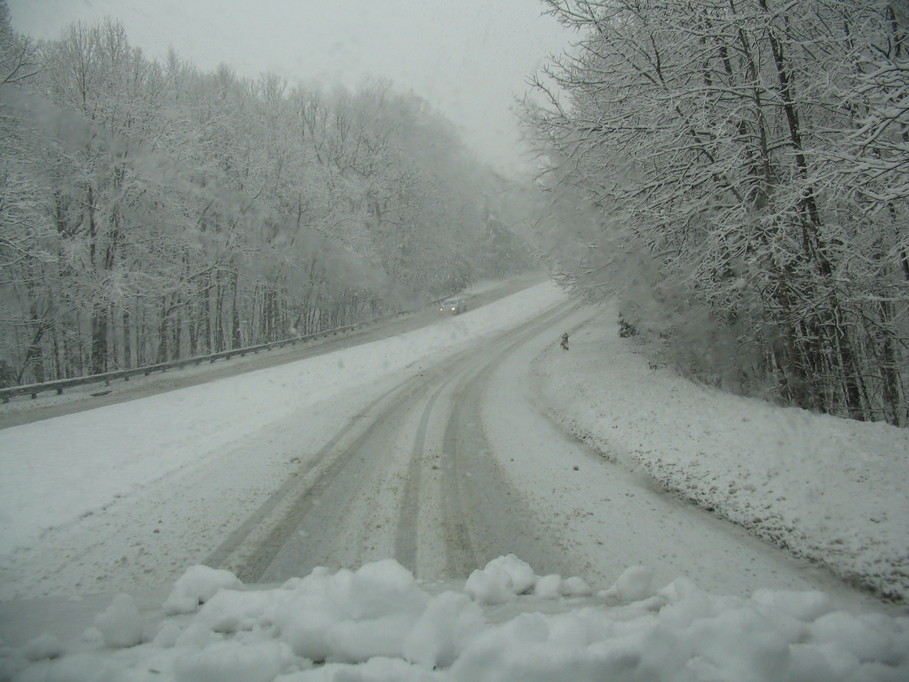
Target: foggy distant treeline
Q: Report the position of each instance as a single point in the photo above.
(154, 211)
(743, 168)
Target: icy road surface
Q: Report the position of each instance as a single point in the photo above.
(430, 447)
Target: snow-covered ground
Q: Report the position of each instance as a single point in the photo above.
(821, 486)
(833, 491)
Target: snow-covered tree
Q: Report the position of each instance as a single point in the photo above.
(709, 138)
(153, 211)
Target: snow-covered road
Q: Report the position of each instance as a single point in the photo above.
(129, 494)
(607, 514)
(431, 447)
(410, 476)
(440, 448)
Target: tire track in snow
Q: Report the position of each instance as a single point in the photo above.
(314, 501)
(250, 549)
(460, 550)
(406, 538)
(484, 515)
(300, 526)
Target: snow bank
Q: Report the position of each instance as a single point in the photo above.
(378, 623)
(826, 489)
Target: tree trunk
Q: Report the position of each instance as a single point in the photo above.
(99, 340)
(236, 338)
(217, 336)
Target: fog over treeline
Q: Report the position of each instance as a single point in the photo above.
(152, 211)
(738, 172)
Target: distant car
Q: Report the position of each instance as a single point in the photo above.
(453, 306)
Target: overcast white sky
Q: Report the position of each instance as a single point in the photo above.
(469, 58)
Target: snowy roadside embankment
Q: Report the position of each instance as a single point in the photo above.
(378, 624)
(827, 489)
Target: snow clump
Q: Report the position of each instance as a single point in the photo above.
(507, 577)
(379, 623)
(502, 580)
(196, 586)
(120, 624)
(43, 646)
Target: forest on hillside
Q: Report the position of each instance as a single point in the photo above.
(153, 211)
(737, 172)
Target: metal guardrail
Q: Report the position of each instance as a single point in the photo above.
(60, 384)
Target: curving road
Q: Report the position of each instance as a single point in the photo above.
(24, 410)
(459, 464)
(399, 467)
(442, 464)
(411, 477)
